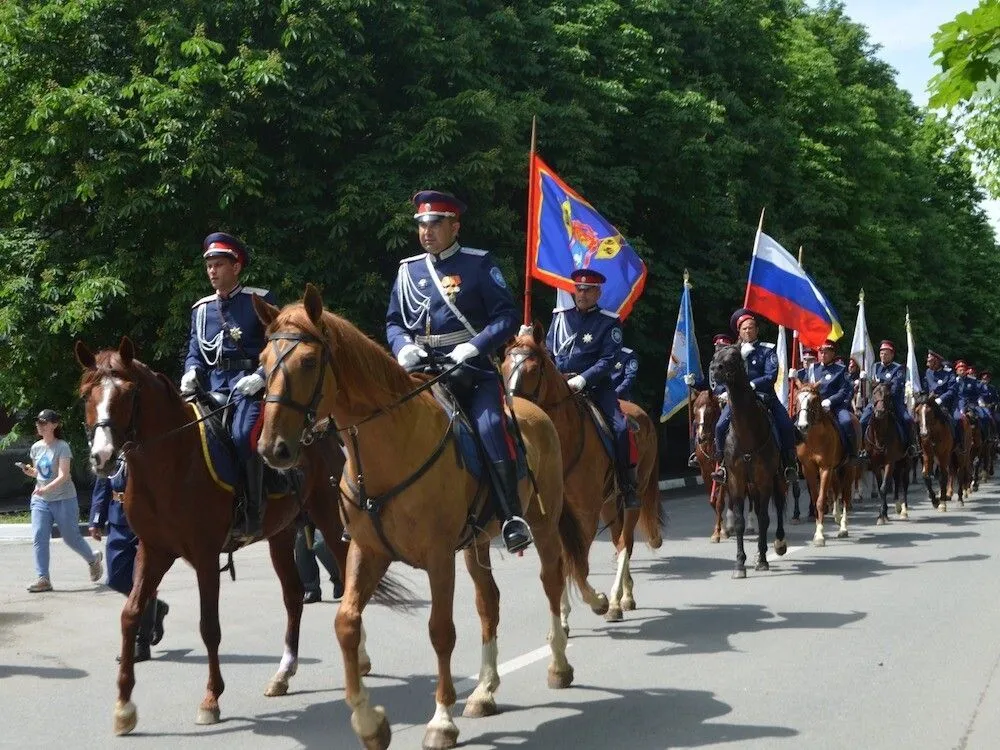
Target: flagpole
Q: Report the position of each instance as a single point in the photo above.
(864, 383)
(796, 361)
(530, 240)
(753, 257)
(687, 333)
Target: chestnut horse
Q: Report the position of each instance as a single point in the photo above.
(936, 443)
(887, 454)
(829, 476)
(751, 458)
(966, 454)
(407, 496)
(589, 477)
(178, 510)
(707, 409)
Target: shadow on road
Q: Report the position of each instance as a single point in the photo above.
(45, 673)
(912, 538)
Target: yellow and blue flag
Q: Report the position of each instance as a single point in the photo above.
(684, 359)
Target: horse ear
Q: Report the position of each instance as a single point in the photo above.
(84, 356)
(266, 312)
(313, 303)
(126, 350)
(538, 332)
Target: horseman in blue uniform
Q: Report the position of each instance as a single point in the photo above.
(719, 341)
(624, 372)
(970, 394)
(585, 340)
(893, 375)
(224, 347)
(990, 396)
(941, 385)
(761, 362)
(106, 509)
(453, 302)
(835, 390)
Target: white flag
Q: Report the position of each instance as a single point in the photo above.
(781, 383)
(862, 350)
(913, 385)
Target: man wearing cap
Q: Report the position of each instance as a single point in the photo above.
(835, 390)
(224, 347)
(970, 394)
(990, 396)
(719, 341)
(943, 388)
(761, 361)
(893, 375)
(623, 375)
(585, 340)
(453, 302)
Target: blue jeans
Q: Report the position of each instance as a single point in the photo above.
(305, 560)
(66, 515)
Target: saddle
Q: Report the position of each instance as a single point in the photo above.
(604, 430)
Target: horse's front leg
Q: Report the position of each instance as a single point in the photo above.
(902, 483)
(883, 494)
(739, 526)
(760, 503)
(845, 502)
(483, 702)
(362, 574)
(211, 634)
(779, 494)
(441, 731)
(282, 548)
(824, 482)
(150, 567)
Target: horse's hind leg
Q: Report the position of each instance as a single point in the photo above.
(441, 731)
(211, 634)
(150, 567)
(553, 576)
(282, 548)
(902, 483)
(482, 702)
(625, 544)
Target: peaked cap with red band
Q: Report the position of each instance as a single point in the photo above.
(432, 205)
(587, 277)
(220, 244)
(959, 363)
(886, 344)
(829, 345)
(722, 339)
(738, 317)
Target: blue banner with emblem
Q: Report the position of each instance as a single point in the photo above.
(684, 359)
(566, 233)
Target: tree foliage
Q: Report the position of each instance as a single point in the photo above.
(132, 129)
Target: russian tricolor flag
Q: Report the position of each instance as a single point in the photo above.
(781, 291)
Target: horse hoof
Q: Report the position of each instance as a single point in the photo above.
(480, 708)
(614, 614)
(842, 534)
(440, 738)
(725, 534)
(904, 515)
(819, 541)
(763, 565)
(899, 508)
(942, 508)
(880, 521)
(126, 717)
(364, 668)
(739, 573)
(207, 715)
(275, 688)
(628, 604)
(796, 520)
(600, 608)
(381, 739)
(780, 547)
(558, 680)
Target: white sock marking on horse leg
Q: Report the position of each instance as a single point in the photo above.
(289, 663)
(489, 675)
(557, 642)
(365, 720)
(616, 588)
(565, 608)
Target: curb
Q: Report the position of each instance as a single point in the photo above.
(673, 484)
(21, 532)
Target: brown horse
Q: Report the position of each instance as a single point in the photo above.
(178, 510)
(751, 459)
(886, 453)
(706, 409)
(829, 476)
(407, 497)
(966, 454)
(589, 477)
(936, 443)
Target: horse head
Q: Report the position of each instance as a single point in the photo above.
(527, 368)
(110, 389)
(727, 367)
(706, 410)
(928, 412)
(882, 402)
(808, 406)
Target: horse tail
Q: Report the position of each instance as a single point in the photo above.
(395, 594)
(650, 510)
(574, 544)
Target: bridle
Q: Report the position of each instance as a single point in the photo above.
(527, 354)
(130, 439)
(308, 410)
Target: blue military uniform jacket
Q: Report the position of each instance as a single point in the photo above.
(586, 343)
(941, 384)
(455, 297)
(623, 375)
(893, 375)
(990, 395)
(226, 336)
(104, 509)
(969, 391)
(834, 384)
(762, 368)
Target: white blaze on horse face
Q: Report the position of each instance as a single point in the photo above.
(701, 423)
(923, 422)
(103, 446)
(804, 409)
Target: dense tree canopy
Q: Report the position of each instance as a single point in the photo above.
(130, 129)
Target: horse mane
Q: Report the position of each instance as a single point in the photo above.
(109, 364)
(811, 387)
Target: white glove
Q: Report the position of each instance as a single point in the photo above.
(250, 384)
(189, 382)
(689, 379)
(938, 401)
(525, 330)
(724, 396)
(753, 385)
(982, 403)
(463, 352)
(862, 374)
(793, 374)
(825, 403)
(576, 383)
(410, 355)
(746, 349)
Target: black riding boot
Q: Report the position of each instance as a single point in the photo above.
(515, 531)
(791, 464)
(719, 475)
(161, 612)
(254, 496)
(147, 626)
(630, 483)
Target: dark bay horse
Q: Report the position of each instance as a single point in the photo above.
(707, 409)
(829, 476)
(589, 477)
(936, 444)
(179, 511)
(966, 454)
(887, 453)
(751, 458)
(407, 496)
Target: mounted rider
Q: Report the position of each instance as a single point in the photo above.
(970, 394)
(892, 374)
(990, 396)
(942, 386)
(719, 341)
(835, 390)
(585, 340)
(761, 362)
(453, 302)
(225, 344)
(624, 372)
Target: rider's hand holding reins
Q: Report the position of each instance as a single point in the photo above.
(189, 382)
(250, 384)
(576, 383)
(463, 352)
(793, 374)
(410, 356)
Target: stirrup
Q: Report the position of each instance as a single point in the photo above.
(345, 537)
(862, 455)
(516, 534)
(791, 474)
(693, 460)
(720, 474)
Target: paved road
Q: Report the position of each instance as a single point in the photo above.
(885, 640)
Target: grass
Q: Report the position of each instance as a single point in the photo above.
(16, 517)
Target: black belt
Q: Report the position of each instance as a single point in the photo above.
(228, 365)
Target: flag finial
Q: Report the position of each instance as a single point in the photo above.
(687, 278)
(861, 295)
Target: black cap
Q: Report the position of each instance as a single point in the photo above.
(48, 415)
